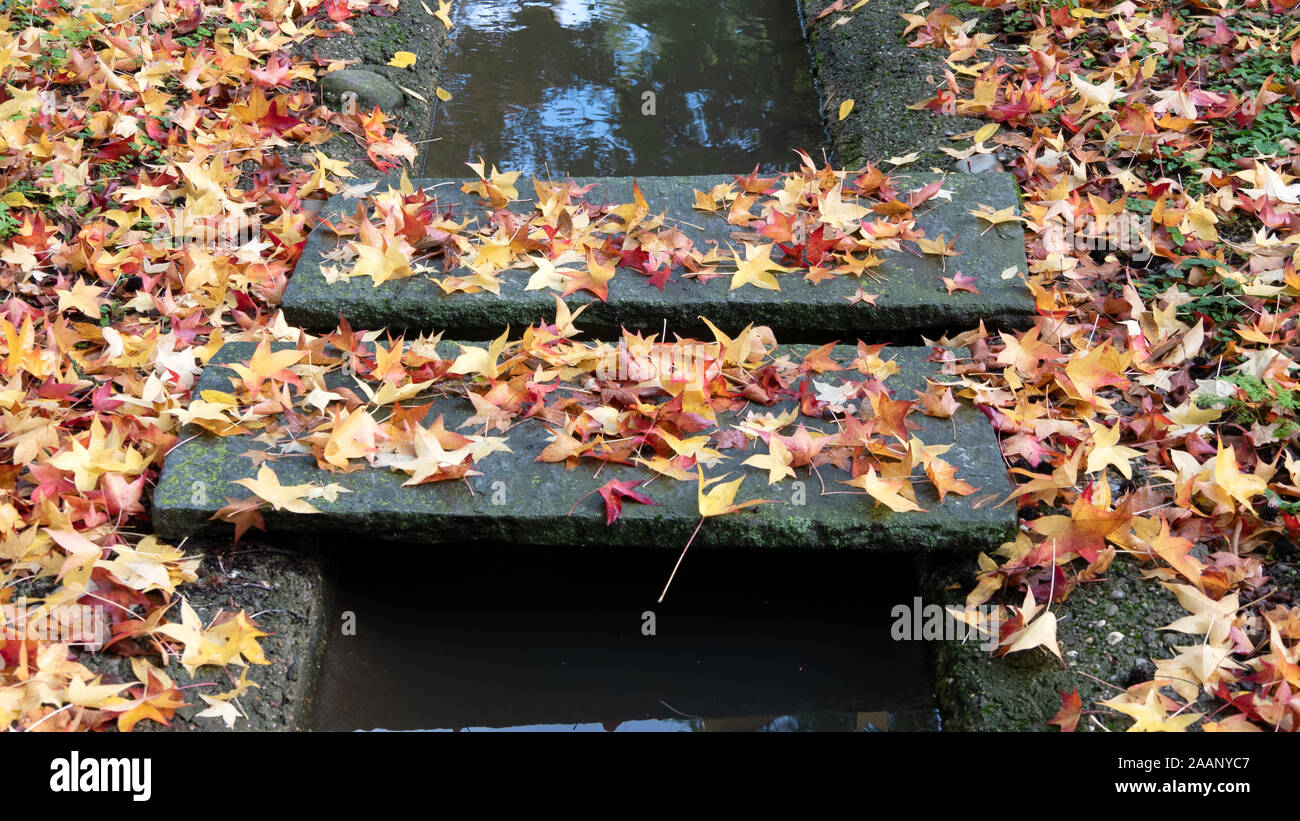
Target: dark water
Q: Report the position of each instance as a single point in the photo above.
(559, 84)
(550, 639)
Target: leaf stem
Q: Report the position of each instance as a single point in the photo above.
(679, 560)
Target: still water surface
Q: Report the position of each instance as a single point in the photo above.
(560, 85)
(551, 638)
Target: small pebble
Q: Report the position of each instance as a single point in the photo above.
(1114, 637)
(1117, 593)
(1101, 622)
(1173, 638)
(1112, 609)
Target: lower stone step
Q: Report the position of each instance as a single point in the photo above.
(901, 298)
(518, 499)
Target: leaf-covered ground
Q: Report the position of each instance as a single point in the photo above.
(136, 136)
(1150, 413)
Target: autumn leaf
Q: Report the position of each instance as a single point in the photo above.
(614, 492)
(1106, 451)
(888, 492)
(756, 269)
(444, 13)
(960, 282)
(267, 487)
(1150, 715)
(1228, 477)
(721, 500)
(1068, 717)
(776, 461)
(266, 365)
(1039, 629)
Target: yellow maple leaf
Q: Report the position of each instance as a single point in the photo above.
(987, 214)
(353, 437)
(478, 360)
(1149, 715)
(266, 364)
(1240, 486)
(834, 211)
(756, 269)
(1039, 630)
(695, 448)
(267, 487)
(776, 461)
(102, 453)
(82, 296)
(380, 265)
(1106, 450)
(443, 13)
(236, 641)
(886, 491)
(721, 499)
(403, 59)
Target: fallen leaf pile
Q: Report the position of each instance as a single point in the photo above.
(817, 222)
(1152, 409)
(354, 402)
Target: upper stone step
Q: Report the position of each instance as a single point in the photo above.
(910, 296)
(522, 500)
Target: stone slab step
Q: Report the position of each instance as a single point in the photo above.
(520, 500)
(913, 299)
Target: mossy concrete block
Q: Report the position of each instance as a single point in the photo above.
(374, 41)
(1021, 691)
(913, 299)
(286, 593)
(520, 500)
(867, 59)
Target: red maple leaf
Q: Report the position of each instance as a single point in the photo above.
(1068, 718)
(614, 492)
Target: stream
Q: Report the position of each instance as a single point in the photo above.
(559, 87)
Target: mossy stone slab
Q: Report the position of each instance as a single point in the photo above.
(523, 501)
(913, 298)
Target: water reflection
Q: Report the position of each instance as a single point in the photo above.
(904, 721)
(528, 638)
(560, 85)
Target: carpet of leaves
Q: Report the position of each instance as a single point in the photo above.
(1151, 411)
(133, 133)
